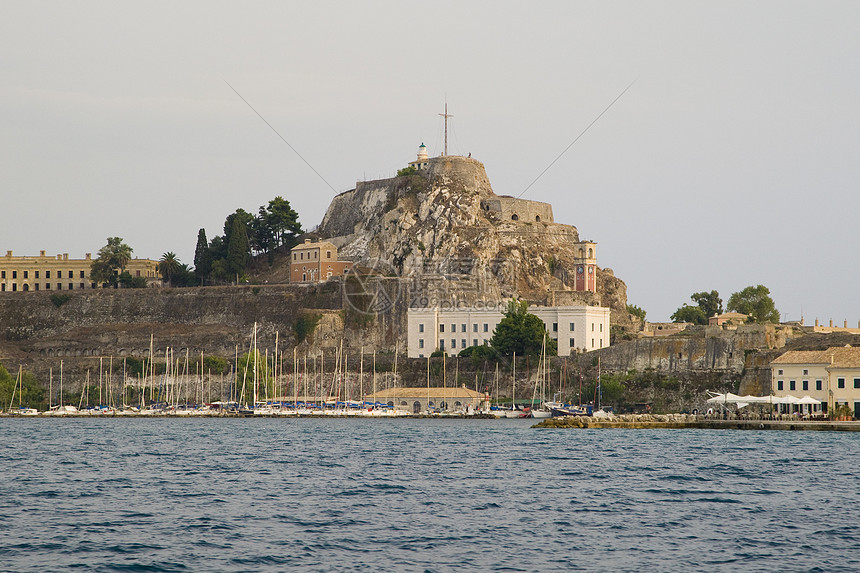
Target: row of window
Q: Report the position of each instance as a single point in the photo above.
(26, 287)
(805, 372)
(475, 342)
(486, 327)
(792, 384)
(300, 256)
(26, 274)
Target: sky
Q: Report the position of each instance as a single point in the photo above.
(732, 160)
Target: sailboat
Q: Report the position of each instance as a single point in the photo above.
(542, 411)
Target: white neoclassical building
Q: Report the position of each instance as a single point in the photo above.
(451, 330)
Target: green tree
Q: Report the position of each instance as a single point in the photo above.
(262, 238)
(169, 266)
(636, 311)
(710, 302)
(202, 257)
(756, 302)
(283, 222)
(125, 280)
(28, 392)
(238, 247)
(692, 314)
(521, 332)
(110, 262)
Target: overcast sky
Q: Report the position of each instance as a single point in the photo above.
(733, 160)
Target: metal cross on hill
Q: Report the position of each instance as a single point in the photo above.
(446, 115)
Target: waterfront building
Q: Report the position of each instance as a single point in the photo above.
(315, 262)
(418, 400)
(52, 273)
(832, 376)
(575, 328)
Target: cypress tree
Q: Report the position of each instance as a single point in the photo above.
(202, 257)
(239, 248)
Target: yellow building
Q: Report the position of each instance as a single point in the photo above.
(831, 376)
(23, 274)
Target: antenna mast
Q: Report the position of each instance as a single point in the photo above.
(446, 115)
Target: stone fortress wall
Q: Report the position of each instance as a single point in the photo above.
(513, 209)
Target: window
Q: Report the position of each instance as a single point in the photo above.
(421, 327)
(572, 343)
(485, 327)
(475, 327)
(37, 274)
(453, 328)
(71, 286)
(328, 254)
(792, 385)
(26, 274)
(555, 327)
(14, 287)
(82, 286)
(294, 256)
(72, 274)
(779, 385)
(840, 382)
(47, 286)
(805, 372)
(601, 327)
(92, 285)
(420, 343)
(136, 273)
(302, 256)
(315, 255)
(463, 343)
(37, 286)
(805, 384)
(3, 287)
(572, 328)
(59, 286)
(601, 343)
(453, 343)
(2, 274)
(474, 342)
(779, 372)
(818, 384)
(857, 382)
(463, 328)
(592, 327)
(441, 344)
(14, 274)
(592, 343)
(441, 328)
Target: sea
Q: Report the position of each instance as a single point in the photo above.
(424, 495)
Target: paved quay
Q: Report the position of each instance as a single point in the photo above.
(685, 421)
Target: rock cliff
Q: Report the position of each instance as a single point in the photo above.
(446, 232)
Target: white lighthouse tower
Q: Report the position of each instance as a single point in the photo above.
(422, 161)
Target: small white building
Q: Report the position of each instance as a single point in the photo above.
(451, 330)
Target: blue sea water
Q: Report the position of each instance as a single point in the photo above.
(421, 495)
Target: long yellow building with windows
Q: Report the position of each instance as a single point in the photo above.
(53, 273)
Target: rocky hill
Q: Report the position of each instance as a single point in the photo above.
(446, 232)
